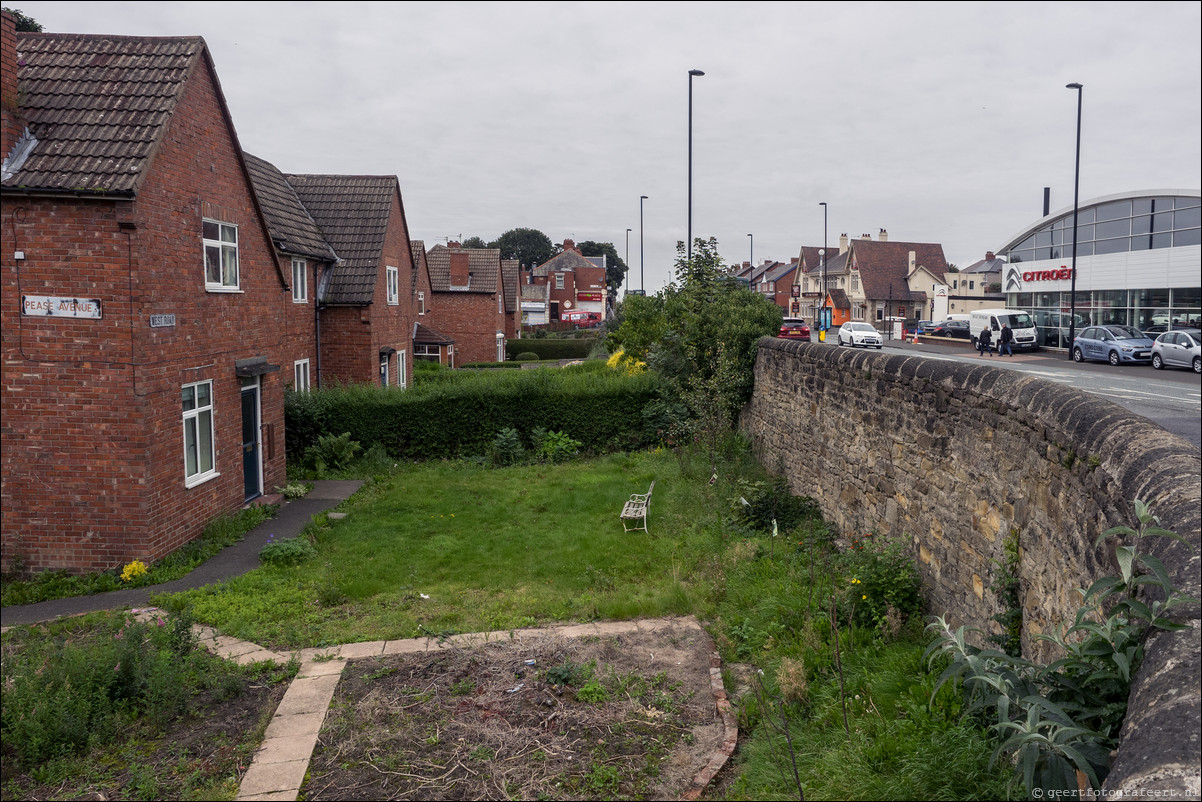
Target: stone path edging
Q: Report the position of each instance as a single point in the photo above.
(277, 770)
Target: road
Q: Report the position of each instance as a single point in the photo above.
(1170, 398)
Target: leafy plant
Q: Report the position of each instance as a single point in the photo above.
(332, 452)
(288, 551)
(1064, 718)
(555, 446)
(878, 575)
(507, 448)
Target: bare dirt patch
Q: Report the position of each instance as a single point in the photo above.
(629, 715)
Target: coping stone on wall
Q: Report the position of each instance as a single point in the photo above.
(1120, 453)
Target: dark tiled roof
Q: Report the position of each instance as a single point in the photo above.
(564, 262)
(510, 270)
(292, 228)
(352, 212)
(424, 335)
(986, 266)
(810, 258)
(98, 105)
(781, 270)
(484, 265)
(839, 299)
(417, 250)
(884, 266)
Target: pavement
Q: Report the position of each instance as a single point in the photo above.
(230, 562)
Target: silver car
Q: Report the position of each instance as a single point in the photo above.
(855, 334)
(1114, 344)
(1179, 348)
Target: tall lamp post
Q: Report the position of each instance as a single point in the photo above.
(822, 261)
(642, 278)
(752, 256)
(628, 247)
(692, 74)
(1072, 303)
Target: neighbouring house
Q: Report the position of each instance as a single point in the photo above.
(469, 303)
(805, 292)
(144, 310)
(511, 270)
(881, 279)
(978, 286)
(368, 300)
(575, 283)
(534, 301)
(429, 345)
(776, 284)
(302, 247)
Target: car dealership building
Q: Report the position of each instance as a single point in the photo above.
(1139, 263)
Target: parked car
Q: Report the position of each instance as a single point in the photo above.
(1113, 344)
(951, 328)
(794, 328)
(856, 334)
(925, 326)
(1180, 348)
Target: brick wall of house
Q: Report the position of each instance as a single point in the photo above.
(92, 420)
(346, 356)
(471, 319)
(301, 338)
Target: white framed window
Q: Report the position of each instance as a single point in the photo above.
(421, 303)
(427, 353)
(300, 281)
(383, 370)
(200, 463)
(402, 376)
(393, 277)
(300, 375)
(559, 281)
(221, 255)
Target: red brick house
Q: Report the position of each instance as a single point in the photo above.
(142, 303)
(368, 300)
(574, 283)
(469, 301)
(429, 345)
(303, 249)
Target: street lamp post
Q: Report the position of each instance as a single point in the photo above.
(628, 247)
(1072, 303)
(822, 261)
(752, 256)
(642, 278)
(692, 74)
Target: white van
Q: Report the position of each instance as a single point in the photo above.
(963, 318)
(1020, 322)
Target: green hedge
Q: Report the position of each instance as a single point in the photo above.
(550, 349)
(601, 408)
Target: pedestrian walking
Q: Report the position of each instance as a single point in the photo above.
(1006, 342)
(985, 341)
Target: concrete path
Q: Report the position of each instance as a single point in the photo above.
(235, 560)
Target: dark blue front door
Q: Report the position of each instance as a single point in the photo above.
(250, 442)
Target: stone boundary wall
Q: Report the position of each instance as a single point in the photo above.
(954, 458)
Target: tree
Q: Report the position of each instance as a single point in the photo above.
(528, 245)
(615, 268)
(25, 24)
(951, 268)
(701, 328)
(475, 243)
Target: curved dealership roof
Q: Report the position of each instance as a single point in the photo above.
(1170, 218)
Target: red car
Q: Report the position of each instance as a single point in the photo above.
(794, 329)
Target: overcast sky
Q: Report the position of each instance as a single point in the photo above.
(940, 122)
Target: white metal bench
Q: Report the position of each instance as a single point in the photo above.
(636, 509)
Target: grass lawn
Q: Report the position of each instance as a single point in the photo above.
(453, 547)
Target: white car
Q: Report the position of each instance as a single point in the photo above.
(1178, 348)
(856, 334)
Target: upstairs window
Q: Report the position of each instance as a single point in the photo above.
(421, 303)
(221, 255)
(393, 276)
(300, 281)
(559, 281)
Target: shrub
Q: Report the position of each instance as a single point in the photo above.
(507, 448)
(332, 452)
(526, 356)
(879, 577)
(288, 551)
(555, 446)
(547, 348)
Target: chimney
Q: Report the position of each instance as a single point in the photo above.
(883, 236)
(12, 125)
(866, 237)
(569, 245)
(913, 262)
(843, 243)
(460, 274)
(989, 257)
